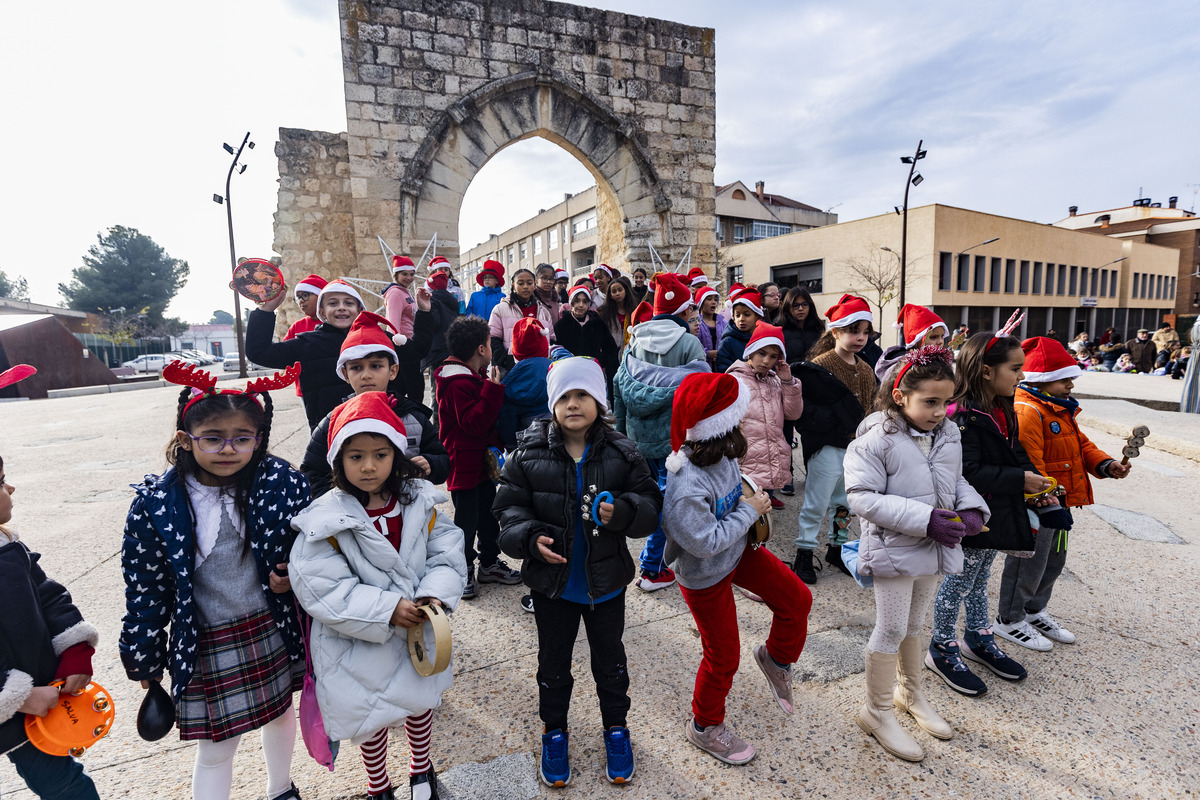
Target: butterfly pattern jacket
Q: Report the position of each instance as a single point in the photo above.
(158, 557)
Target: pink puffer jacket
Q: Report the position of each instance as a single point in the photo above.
(506, 315)
(769, 460)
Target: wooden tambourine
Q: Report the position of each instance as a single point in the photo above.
(75, 724)
(760, 531)
(1133, 444)
(439, 623)
(258, 280)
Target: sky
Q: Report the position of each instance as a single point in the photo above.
(115, 114)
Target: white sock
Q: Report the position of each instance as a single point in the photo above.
(212, 777)
(278, 742)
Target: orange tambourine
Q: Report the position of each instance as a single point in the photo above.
(258, 280)
(75, 724)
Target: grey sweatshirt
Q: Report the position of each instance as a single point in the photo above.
(705, 520)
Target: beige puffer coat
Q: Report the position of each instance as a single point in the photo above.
(768, 461)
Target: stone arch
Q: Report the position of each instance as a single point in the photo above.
(632, 204)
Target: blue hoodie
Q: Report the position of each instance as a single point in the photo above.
(484, 300)
(525, 399)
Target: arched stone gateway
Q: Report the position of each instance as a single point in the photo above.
(436, 88)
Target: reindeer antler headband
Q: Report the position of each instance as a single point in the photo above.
(923, 357)
(204, 384)
(1007, 330)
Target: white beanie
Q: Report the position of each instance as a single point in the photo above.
(577, 372)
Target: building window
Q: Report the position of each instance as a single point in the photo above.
(1024, 277)
(739, 233)
(524, 252)
(1158, 287)
(1172, 297)
(964, 272)
(1112, 283)
(738, 194)
(1062, 279)
(580, 225)
(805, 274)
(510, 256)
(552, 239)
(1104, 283)
(1095, 282)
(1074, 281)
(1049, 278)
(995, 284)
(537, 245)
(734, 274)
(944, 262)
(1037, 277)
(766, 230)
(980, 273)
(1010, 275)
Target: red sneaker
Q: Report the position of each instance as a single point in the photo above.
(776, 502)
(652, 583)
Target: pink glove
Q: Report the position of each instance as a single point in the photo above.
(972, 520)
(944, 529)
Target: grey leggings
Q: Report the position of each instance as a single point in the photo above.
(900, 607)
(968, 588)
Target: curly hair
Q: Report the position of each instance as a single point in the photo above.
(465, 335)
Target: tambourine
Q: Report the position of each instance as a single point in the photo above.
(75, 724)
(760, 531)
(257, 280)
(418, 648)
(1133, 444)
(1044, 493)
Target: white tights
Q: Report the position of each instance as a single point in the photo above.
(900, 608)
(212, 778)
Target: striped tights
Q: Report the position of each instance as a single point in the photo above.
(374, 751)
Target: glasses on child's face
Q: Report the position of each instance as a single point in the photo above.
(215, 444)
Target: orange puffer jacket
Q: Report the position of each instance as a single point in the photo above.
(1057, 447)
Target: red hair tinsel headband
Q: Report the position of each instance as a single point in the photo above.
(204, 383)
(922, 356)
(1008, 328)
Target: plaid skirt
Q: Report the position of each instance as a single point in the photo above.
(243, 679)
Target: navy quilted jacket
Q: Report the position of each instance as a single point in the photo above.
(157, 559)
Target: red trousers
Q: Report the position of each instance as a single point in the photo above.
(716, 618)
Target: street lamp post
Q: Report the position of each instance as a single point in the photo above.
(237, 300)
(914, 179)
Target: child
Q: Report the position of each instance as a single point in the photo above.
(920, 327)
(839, 387)
(577, 566)
(707, 523)
(697, 277)
(602, 275)
(1179, 365)
(915, 508)
(468, 407)
(1124, 364)
(987, 371)
(617, 311)
(802, 329)
(205, 553)
(520, 303)
(562, 279)
(583, 333)
(306, 293)
(370, 552)
(525, 383)
(490, 294)
(444, 310)
(401, 309)
(746, 313)
(43, 638)
(660, 355)
(544, 291)
(712, 324)
(368, 363)
(775, 395)
(1058, 449)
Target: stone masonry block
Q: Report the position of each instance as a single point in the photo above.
(453, 45)
(389, 56)
(358, 92)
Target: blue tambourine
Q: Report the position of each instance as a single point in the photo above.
(603, 497)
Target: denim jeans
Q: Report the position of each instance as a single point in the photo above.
(824, 490)
(656, 543)
(52, 777)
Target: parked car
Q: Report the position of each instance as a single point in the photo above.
(231, 363)
(150, 362)
(203, 358)
(177, 355)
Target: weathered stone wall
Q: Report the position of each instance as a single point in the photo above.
(434, 89)
(314, 224)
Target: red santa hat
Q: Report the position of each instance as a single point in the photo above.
(364, 338)
(847, 311)
(437, 281)
(605, 268)
(707, 405)
(580, 287)
(561, 274)
(735, 287)
(643, 313)
(337, 286)
(568, 374)
(671, 296)
(440, 262)
(18, 373)
(369, 412)
(313, 284)
(697, 277)
(917, 322)
(491, 267)
(702, 293)
(748, 297)
(403, 264)
(1046, 360)
(530, 339)
(765, 336)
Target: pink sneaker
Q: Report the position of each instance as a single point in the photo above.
(720, 743)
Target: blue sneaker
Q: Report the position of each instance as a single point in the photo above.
(946, 661)
(620, 754)
(981, 648)
(555, 770)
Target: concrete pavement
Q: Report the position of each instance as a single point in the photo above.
(1112, 716)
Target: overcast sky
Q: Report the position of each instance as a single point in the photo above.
(114, 113)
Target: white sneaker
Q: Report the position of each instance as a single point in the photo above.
(1023, 634)
(1048, 626)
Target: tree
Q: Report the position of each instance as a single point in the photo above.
(876, 274)
(220, 317)
(127, 269)
(16, 288)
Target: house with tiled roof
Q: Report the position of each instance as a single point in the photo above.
(747, 216)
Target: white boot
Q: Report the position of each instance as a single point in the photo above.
(877, 718)
(909, 696)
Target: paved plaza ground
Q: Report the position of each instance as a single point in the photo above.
(1114, 716)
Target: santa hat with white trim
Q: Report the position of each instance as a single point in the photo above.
(440, 262)
(702, 293)
(917, 322)
(313, 284)
(605, 268)
(671, 296)
(765, 336)
(1046, 360)
(366, 336)
(403, 264)
(560, 274)
(369, 412)
(337, 286)
(697, 277)
(580, 287)
(707, 405)
(748, 297)
(849, 310)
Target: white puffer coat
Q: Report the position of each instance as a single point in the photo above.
(894, 489)
(365, 678)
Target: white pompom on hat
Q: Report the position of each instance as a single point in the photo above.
(369, 412)
(707, 405)
(671, 296)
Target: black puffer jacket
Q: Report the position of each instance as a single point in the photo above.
(831, 411)
(537, 497)
(995, 466)
(443, 311)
